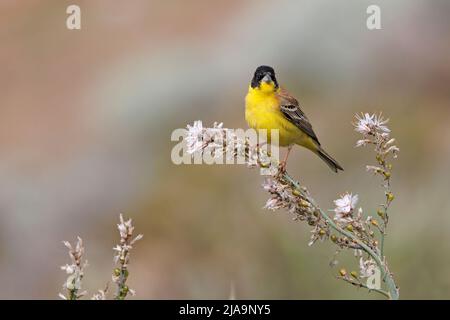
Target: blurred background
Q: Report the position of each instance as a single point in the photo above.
(85, 123)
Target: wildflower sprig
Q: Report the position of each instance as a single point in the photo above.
(348, 229)
(122, 257)
(375, 132)
(75, 271)
(219, 143)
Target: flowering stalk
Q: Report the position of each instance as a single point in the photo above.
(348, 229)
(348, 240)
(375, 133)
(75, 271)
(122, 258)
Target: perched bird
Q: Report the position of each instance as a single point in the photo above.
(267, 106)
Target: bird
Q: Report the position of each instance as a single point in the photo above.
(269, 107)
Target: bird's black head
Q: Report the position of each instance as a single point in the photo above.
(264, 74)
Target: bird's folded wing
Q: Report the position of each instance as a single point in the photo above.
(290, 108)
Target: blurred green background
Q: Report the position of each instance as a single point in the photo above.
(86, 118)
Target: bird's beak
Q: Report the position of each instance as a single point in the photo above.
(267, 78)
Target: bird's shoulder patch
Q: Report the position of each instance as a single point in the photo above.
(290, 108)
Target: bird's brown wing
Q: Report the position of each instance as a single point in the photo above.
(290, 108)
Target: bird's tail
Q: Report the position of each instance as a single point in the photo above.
(328, 160)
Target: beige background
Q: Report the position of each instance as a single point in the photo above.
(85, 123)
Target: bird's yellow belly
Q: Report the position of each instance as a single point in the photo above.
(265, 114)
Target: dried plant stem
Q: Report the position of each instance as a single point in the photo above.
(385, 273)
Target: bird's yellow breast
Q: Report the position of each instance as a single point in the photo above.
(262, 111)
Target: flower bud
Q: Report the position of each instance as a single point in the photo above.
(333, 238)
(322, 232)
(350, 228)
(125, 290)
(374, 222)
(304, 203)
(389, 196)
(380, 213)
(296, 192)
(116, 272)
(354, 274)
(380, 159)
(264, 165)
(343, 272)
(386, 174)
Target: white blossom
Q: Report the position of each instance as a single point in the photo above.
(394, 149)
(346, 203)
(68, 268)
(194, 137)
(273, 204)
(373, 169)
(344, 207)
(367, 267)
(362, 142)
(370, 124)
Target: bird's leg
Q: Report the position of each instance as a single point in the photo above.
(284, 162)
